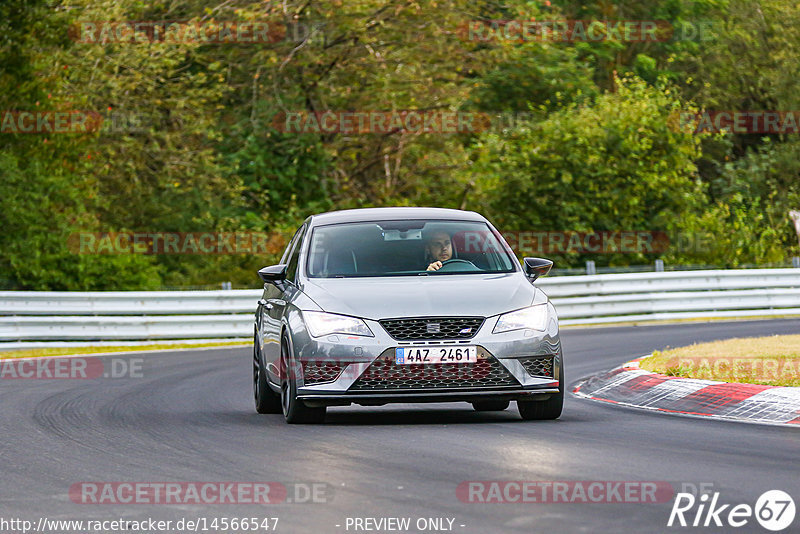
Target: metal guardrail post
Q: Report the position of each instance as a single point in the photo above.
(590, 269)
(796, 262)
(659, 266)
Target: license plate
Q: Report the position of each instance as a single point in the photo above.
(436, 354)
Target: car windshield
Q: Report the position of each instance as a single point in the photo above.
(406, 248)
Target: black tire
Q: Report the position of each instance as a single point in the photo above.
(294, 410)
(490, 406)
(267, 401)
(548, 409)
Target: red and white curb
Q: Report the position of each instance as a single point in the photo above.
(629, 385)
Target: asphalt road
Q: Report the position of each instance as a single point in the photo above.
(189, 417)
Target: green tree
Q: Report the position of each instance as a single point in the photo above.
(617, 164)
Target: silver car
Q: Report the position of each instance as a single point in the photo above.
(372, 306)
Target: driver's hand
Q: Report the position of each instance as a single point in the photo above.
(435, 266)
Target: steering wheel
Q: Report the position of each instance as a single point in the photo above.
(456, 264)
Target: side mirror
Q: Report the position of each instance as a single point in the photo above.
(273, 273)
(536, 267)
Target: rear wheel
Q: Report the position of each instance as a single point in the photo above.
(294, 410)
(490, 406)
(266, 400)
(547, 409)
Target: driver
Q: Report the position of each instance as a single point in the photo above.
(438, 248)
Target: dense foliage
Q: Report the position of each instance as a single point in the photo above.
(582, 136)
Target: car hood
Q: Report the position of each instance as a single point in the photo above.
(408, 296)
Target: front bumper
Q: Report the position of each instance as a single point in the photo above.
(355, 355)
(380, 398)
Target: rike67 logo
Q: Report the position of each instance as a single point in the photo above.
(774, 510)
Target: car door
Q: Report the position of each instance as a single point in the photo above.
(273, 307)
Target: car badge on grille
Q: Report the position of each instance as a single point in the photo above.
(465, 331)
(434, 328)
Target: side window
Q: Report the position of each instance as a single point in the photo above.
(288, 250)
(294, 258)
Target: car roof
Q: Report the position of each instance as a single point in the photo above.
(393, 214)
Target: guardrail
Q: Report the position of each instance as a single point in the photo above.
(608, 298)
(97, 316)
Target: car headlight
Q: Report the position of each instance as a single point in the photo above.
(322, 324)
(533, 317)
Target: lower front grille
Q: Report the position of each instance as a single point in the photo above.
(385, 374)
(320, 372)
(538, 365)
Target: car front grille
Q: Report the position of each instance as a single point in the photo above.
(414, 328)
(320, 372)
(538, 365)
(385, 374)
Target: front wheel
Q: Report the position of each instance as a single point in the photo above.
(548, 409)
(266, 400)
(294, 410)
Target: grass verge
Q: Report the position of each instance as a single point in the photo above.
(772, 360)
(61, 351)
